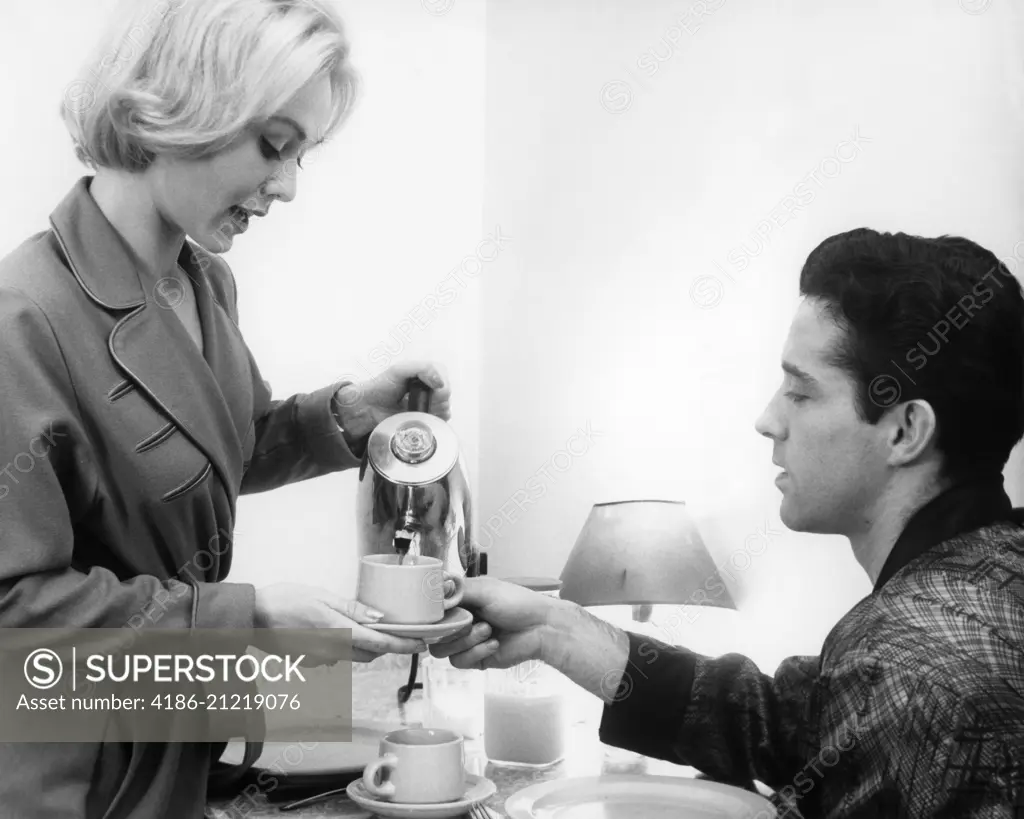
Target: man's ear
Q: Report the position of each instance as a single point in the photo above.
(913, 429)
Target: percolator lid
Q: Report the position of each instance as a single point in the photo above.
(413, 448)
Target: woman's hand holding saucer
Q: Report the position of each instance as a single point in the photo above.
(298, 606)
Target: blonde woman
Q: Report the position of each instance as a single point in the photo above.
(126, 378)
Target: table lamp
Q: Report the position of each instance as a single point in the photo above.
(642, 553)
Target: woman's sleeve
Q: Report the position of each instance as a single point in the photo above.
(297, 438)
(48, 480)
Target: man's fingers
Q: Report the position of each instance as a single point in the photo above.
(477, 656)
(479, 633)
(476, 592)
(458, 635)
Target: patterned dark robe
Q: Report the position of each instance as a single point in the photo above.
(915, 707)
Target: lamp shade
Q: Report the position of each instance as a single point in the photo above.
(642, 552)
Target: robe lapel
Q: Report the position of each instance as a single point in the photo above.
(155, 352)
(149, 344)
(223, 347)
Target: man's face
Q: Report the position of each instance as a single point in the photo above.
(834, 462)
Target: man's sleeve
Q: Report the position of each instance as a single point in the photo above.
(721, 716)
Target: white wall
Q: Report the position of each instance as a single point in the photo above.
(629, 186)
(333, 284)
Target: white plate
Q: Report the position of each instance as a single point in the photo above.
(480, 789)
(624, 796)
(455, 619)
(314, 756)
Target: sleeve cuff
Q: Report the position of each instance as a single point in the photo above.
(227, 606)
(647, 711)
(324, 439)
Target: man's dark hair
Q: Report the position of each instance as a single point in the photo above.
(935, 319)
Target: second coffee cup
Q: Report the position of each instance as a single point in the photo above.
(418, 765)
(408, 593)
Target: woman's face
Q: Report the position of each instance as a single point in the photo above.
(215, 199)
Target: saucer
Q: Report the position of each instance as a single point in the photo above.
(480, 789)
(455, 619)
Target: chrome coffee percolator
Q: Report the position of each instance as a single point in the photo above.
(413, 495)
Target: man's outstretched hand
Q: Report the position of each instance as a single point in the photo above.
(512, 623)
(516, 625)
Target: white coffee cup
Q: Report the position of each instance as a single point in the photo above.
(418, 765)
(410, 592)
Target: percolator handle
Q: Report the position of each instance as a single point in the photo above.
(419, 395)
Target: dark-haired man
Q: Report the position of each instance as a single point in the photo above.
(902, 397)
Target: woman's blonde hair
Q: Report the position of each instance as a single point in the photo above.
(186, 77)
